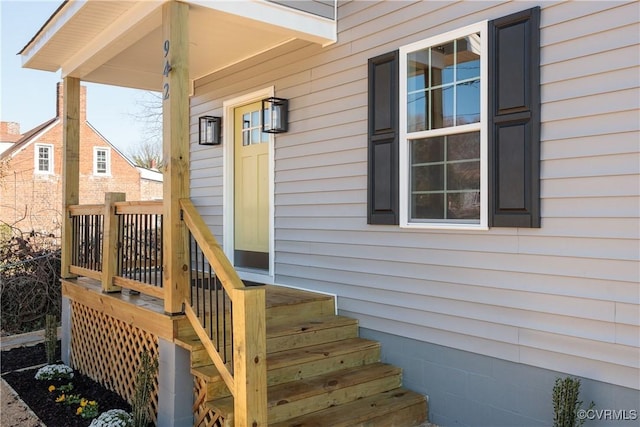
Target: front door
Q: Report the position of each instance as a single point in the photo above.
(251, 189)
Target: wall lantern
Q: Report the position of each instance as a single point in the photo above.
(275, 112)
(210, 130)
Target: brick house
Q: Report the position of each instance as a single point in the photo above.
(31, 171)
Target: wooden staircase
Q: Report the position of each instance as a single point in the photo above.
(319, 372)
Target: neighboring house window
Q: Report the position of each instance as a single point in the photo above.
(443, 150)
(102, 161)
(44, 158)
(454, 128)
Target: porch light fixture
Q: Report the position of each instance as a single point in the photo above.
(275, 112)
(210, 130)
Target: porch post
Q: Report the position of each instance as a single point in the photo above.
(175, 148)
(70, 165)
(110, 241)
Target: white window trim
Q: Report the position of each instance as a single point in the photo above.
(404, 168)
(36, 159)
(107, 150)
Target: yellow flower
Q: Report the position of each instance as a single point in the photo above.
(93, 403)
(51, 388)
(79, 410)
(83, 402)
(60, 398)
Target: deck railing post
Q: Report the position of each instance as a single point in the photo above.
(110, 241)
(249, 357)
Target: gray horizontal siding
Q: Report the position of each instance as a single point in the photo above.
(324, 8)
(562, 297)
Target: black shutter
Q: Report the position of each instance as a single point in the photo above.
(514, 120)
(383, 148)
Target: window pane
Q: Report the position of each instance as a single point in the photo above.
(468, 57)
(416, 112)
(427, 150)
(429, 206)
(427, 178)
(463, 176)
(442, 107)
(468, 102)
(442, 64)
(255, 118)
(463, 205)
(418, 70)
(463, 146)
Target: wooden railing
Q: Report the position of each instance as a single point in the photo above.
(245, 373)
(119, 243)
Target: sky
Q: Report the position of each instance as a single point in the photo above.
(28, 97)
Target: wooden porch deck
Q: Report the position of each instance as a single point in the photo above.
(147, 312)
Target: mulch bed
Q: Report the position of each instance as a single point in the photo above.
(35, 393)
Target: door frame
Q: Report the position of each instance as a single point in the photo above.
(228, 222)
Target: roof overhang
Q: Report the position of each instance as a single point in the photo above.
(121, 42)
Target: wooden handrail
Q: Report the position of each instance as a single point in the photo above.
(144, 207)
(248, 382)
(149, 207)
(210, 247)
(77, 210)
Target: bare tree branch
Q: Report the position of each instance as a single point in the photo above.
(148, 154)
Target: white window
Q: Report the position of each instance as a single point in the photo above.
(101, 161)
(44, 158)
(443, 131)
(252, 129)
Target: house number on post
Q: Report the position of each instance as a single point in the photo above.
(167, 69)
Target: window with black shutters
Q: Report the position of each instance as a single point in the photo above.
(454, 128)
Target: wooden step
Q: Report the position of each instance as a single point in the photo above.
(319, 372)
(312, 331)
(297, 364)
(311, 361)
(297, 398)
(394, 408)
(287, 305)
(294, 335)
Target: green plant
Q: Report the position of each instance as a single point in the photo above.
(113, 418)
(145, 378)
(566, 403)
(51, 338)
(54, 372)
(88, 409)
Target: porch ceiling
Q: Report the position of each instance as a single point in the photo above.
(121, 42)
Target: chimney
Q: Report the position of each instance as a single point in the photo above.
(83, 102)
(9, 131)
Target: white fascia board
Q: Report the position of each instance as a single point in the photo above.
(148, 174)
(305, 25)
(58, 21)
(125, 31)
